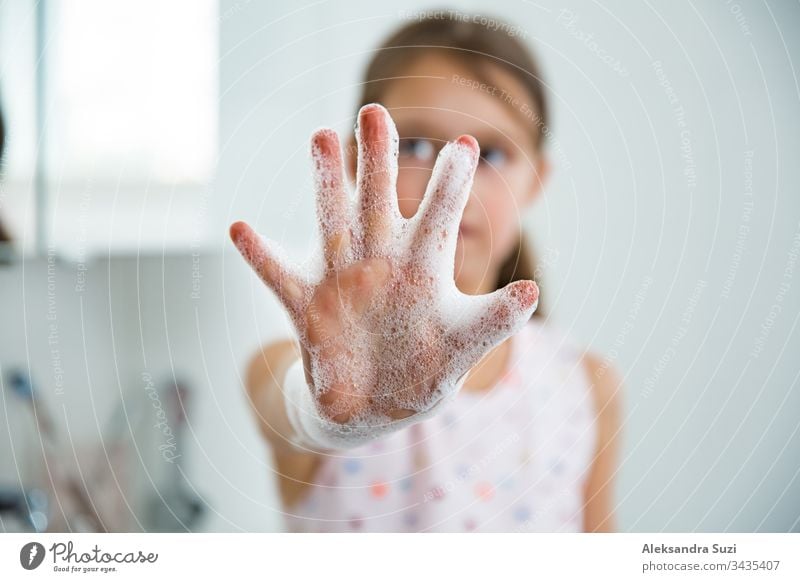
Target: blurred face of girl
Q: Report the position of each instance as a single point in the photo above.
(435, 103)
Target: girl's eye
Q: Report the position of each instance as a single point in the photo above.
(412, 147)
(493, 156)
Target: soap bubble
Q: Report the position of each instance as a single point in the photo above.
(388, 334)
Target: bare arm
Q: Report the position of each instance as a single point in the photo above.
(267, 368)
(598, 513)
(265, 374)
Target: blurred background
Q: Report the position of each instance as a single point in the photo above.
(136, 132)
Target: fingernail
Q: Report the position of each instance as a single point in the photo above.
(323, 140)
(468, 141)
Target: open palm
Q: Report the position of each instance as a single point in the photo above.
(385, 333)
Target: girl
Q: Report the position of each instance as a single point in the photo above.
(423, 394)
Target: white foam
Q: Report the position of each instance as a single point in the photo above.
(419, 336)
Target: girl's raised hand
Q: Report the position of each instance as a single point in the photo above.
(385, 333)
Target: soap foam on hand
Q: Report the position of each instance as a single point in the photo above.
(388, 334)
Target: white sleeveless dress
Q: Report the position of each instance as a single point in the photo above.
(510, 459)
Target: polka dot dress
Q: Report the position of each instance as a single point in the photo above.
(510, 459)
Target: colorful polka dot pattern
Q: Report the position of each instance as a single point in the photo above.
(510, 459)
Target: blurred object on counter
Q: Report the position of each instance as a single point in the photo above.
(23, 511)
(174, 506)
(72, 496)
(23, 505)
(131, 478)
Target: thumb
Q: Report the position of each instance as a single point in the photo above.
(498, 316)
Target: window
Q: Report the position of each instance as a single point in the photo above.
(125, 133)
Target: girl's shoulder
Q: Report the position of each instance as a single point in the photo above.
(560, 353)
(549, 339)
